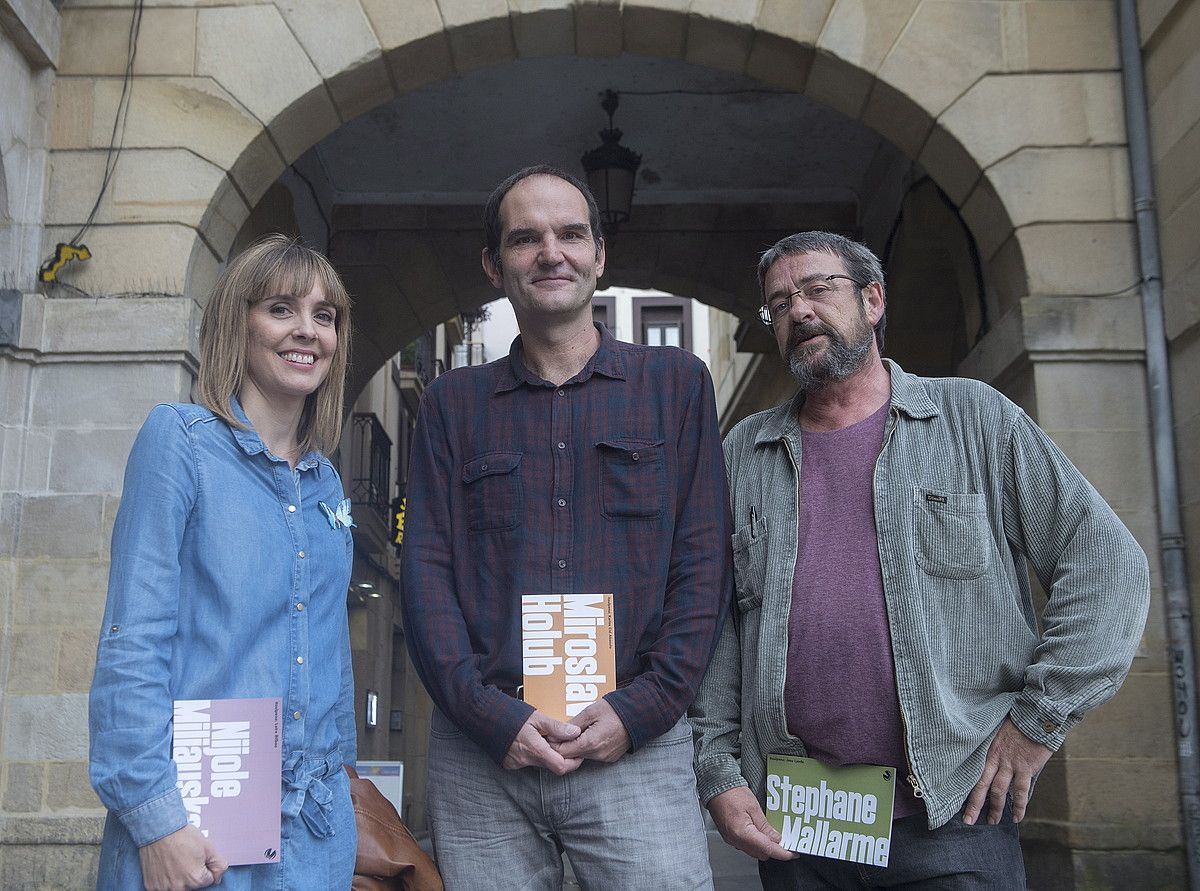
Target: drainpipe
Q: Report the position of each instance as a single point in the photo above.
(1162, 432)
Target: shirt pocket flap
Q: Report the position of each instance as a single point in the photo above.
(632, 451)
(938, 501)
(490, 464)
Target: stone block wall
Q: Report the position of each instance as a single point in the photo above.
(74, 388)
(28, 50)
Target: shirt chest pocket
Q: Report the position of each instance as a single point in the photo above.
(953, 534)
(631, 478)
(494, 496)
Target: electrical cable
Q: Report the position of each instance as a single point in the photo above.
(116, 144)
(80, 292)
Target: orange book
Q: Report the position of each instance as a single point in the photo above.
(568, 651)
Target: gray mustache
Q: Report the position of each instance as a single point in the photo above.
(805, 332)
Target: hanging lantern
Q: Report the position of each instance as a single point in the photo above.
(611, 170)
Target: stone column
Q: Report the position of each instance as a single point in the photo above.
(75, 384)
(1105, 812)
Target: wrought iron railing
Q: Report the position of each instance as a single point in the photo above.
(371, 466)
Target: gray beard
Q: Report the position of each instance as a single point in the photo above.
(839, 361)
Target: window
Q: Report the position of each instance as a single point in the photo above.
(663, 321)
(662, 327)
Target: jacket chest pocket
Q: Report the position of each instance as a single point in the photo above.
(493, 489)
(750, 565)
(631, 478)
(953, 534)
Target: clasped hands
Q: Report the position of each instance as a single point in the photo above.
(596, 733)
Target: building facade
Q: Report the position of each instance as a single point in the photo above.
(978, 145)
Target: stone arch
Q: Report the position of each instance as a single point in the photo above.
(972, 92)
(1013, 109)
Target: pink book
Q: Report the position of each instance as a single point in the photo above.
(227, 755)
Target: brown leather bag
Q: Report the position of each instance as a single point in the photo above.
(388, 857)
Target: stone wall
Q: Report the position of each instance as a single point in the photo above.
(28, 50)
(1170, 31)
(75, 387)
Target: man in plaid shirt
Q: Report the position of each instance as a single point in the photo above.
(575, 464)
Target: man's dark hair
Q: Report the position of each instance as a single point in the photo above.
(491, 210)
(861, 264)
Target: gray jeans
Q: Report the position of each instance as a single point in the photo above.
(953, 857)
(630, 825)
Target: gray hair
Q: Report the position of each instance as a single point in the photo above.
(861, 263)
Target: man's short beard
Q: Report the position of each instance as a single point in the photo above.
(840, 359)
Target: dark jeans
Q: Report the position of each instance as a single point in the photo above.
(955, 856)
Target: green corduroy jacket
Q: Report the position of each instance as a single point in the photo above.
(964, 626)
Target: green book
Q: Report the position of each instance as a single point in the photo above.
(844, 813)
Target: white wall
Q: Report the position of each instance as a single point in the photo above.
(498, 331)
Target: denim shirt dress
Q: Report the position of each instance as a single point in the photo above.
(227, 581)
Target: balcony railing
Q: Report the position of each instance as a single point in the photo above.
(371, 465)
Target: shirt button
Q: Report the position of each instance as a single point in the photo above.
(300, 607)
(299, 660)
(562, 564)
(1049, 726)
(291, 508)
(562, 445)
(562, 392)
(562, 502)
(637, 457)
(483, 467)
(300, 554)
(296, 715)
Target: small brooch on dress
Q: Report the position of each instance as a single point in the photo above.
(340, 516)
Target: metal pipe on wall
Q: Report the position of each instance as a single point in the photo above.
(1162, 430)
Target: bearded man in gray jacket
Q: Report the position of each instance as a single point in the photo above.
(884, 616)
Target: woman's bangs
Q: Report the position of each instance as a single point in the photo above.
(292, 275)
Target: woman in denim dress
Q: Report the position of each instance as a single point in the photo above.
(231, 559)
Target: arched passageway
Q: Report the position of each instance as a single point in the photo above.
(978, 145)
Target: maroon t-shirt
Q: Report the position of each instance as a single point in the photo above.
(840, 692)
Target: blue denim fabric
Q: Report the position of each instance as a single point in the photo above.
(227, 581)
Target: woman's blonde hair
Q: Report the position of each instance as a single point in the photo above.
(273, 265)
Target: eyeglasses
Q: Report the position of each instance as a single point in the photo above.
(776, 307)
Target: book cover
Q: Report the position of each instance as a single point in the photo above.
(844, 813)
(568, 651)
(227, 752)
